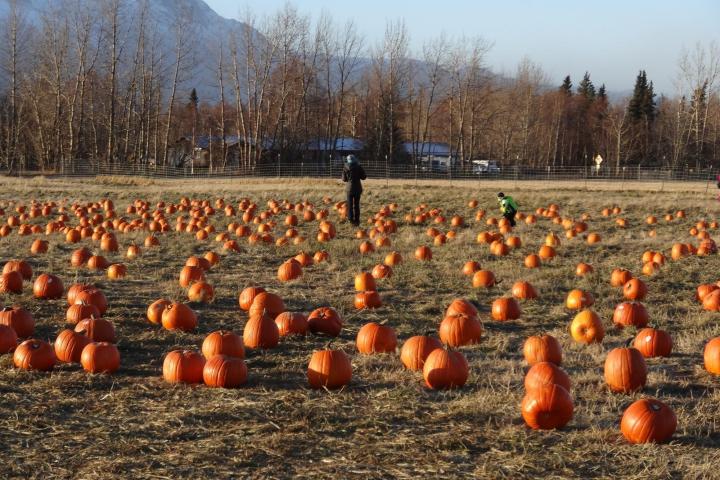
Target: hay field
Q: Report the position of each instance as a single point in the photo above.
(386, 423)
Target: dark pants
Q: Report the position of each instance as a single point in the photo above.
(510, 215)
(353, 205)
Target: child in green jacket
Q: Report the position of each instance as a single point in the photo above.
(508, 207)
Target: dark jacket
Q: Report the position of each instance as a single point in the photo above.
(352, 174)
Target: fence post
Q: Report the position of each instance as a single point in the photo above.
(416, 174)
(586, 178)
(302, 169)
(278, 166)
(387, 173)
(622, 182)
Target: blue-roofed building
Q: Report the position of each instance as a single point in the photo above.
(435, 156)
(321, 148)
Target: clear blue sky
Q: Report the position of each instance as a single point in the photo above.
(611, 39)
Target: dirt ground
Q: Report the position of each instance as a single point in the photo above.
(386, 423)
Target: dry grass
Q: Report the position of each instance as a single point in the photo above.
(69, 424)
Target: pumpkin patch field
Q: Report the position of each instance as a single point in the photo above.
(243, 329)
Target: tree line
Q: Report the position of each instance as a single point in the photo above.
(96, 82)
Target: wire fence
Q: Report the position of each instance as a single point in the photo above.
(388, 171)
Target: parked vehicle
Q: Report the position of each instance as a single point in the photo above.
(485, 167)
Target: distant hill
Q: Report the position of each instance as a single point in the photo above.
(205, 28)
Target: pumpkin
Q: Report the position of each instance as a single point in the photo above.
(97, 329)
(289, 270)
(223, 371)
(80, 311)
(48, 286)
(587, 328)
(704, 290)
(461, 307)
(364, 281)
(304, 259)
(524, 291)
(156, 309)
(445, 369)
(392, 259)
(200, 262)
(547, 408)
(547, 252)
(711, 356)
(619, 277)
(459, 329)
(189, 274)
(416, 349)
(325, 321)
(329, 369)
(583, 269)
(625, 370)
(74, 290)
(11, 282)
(375, 338)
(630, 313)
(634, 289)
(133, 251)
(201, 292)
(97, 262)
(366, 247)
(19, 266)
(532, 261)
(178, 316)
(381, 271)
(711, 301)
(321, 256)
(423, 253)
(93, 296)
(648, 421)
(116, 271)
(505, 308)
(291, 323)
(100, 357)
(19, 319)
(483, 279)
(39, 246)
(248, 295)
(469, 268)
(261, 332)
(578, 299)
(367, 300)
(183, 366)
(652, 342)
(544, 374)
(222, 342)
(8, 339)
(650, 268)
(266, 303)
(542, 348)
(213, 258)
(34, 354)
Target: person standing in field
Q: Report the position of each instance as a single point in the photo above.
(508, 207)
(353, 174)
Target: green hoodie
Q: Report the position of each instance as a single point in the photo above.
(507, 203)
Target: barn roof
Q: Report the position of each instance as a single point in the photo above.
(342, 144)
(427, 148)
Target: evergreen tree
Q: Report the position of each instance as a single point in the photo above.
(566, 86)
(586, 89)
(642, 103)
(602, 93)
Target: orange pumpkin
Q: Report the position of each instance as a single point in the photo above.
(543, 348)
(375, 338)
(587, 328)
